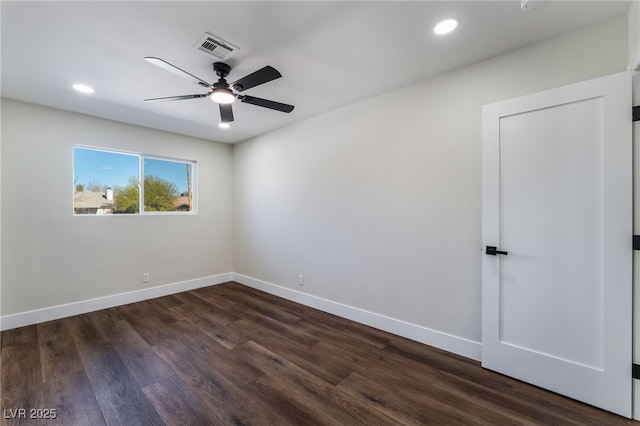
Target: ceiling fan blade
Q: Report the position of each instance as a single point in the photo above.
(226, 113)
(266, 103)
(178, 98)
(172, 68)
(257, 78)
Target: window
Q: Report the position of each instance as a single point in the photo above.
(109, 182)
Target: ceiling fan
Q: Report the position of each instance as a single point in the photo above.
(223, 93)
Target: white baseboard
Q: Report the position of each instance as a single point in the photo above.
(61, 311)
(457, 345)
(634, 64)
(438, 339)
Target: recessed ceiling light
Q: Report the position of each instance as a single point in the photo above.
(224, 125)
(83, 88)
(446, 26)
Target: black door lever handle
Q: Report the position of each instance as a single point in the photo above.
(494, 251)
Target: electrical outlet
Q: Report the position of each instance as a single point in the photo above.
(145, 277)
(300, 279)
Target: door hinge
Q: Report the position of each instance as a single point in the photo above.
(635, 371)
(636, 242)
(636, 113)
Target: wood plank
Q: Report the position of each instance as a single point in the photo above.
(73, 399)
(257, 326)
(545, 403)
(211, 322)
(21, 378)
(284, 402)
(420, 390)
(177, 404)
(205, 353)
(106, 319)
(345, 338)
(87, 334)
(292, 308)
(18, 336)
(369, 335)
(285, 379)
(166, 302)
(332, 369)
(404, 409)
(354, 355)
(120, 398)
(248, 302)
(503, 403)
(58, 353)
(221, 395)
(147, 322)
(141, 360)
(214, 313)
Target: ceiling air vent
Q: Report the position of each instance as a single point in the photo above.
(215, 46)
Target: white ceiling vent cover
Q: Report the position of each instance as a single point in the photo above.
(215, 46)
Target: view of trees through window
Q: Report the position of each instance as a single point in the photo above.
(108, 182)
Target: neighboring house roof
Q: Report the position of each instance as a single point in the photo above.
(91, 200)
(182, 202)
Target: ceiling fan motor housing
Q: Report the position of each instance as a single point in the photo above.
(221, 69)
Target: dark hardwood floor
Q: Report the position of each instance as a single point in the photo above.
(231, 355)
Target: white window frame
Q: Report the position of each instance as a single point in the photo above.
(141, 157)
(194, 197)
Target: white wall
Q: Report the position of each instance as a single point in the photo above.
(51, 258)
(378, 204)
(634, 36)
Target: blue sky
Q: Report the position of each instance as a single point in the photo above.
(114, 169)
(168, 170)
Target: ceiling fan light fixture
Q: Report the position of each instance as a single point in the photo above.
(222, 96)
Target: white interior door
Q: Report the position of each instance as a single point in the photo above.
(557, 197)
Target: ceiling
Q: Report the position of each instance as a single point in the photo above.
(330, 53)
